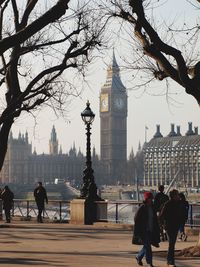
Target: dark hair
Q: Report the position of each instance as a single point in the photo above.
(173, 193)
(40, 183)
(182, 196)
(161, 188)
(6, 187)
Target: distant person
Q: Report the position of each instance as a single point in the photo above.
(159, 201)
(40, 198)
(160, 198)
(185, 206)
(146, 229)
(7, 197)
(172, 217)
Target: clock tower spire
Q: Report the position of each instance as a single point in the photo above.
(113, 125)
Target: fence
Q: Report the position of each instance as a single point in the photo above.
(124, 211)
(56, 210)
(117, 211)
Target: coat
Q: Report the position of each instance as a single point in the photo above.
(40, 196)
(7, 198)
(159, 201)
(140, 226)
(172, 215)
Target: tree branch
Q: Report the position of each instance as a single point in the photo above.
(50, 16)
(29, 8)
(16, 15)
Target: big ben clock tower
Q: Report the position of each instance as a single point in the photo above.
(113, 126)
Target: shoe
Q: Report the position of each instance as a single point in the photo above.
(139, 262)
(171, 265)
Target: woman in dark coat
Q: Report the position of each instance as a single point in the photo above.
(146, 228)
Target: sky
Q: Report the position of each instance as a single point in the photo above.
(144, 109)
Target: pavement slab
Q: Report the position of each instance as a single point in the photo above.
(31, 244)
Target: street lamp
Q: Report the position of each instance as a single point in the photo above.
(89, 188)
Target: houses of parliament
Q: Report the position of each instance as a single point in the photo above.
(24, 166)
(156, 162)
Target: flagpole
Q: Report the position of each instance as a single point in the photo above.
(145, 134)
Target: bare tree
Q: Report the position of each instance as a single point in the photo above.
(163, 57)
(39, 41)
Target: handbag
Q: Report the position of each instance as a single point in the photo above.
(137, 240)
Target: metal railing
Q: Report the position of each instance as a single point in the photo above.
(124, 212)
(116, 211)
(55, 210)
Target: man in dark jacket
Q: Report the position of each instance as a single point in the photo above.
(172, 215)
(160, 198)
(147, 229)
(40, 197)
(159, 201)
(7, 197)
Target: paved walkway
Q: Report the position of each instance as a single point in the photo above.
(29, 244)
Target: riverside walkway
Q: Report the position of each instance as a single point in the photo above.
(31, 244)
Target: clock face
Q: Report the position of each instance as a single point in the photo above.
(104, 102)
(119, 103)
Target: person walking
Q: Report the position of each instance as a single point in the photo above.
(159, 201)
(40, 195)
(146, 229)
(172, 217)
(7, 197)
(185, 206)
(160, 198)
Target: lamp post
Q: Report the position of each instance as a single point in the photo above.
(89, 188)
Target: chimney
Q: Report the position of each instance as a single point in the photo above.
(189, 131)
(196, 130)
(172, 133)
(158, 133)
(178, 130)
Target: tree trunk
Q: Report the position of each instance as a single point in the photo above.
(4, 133)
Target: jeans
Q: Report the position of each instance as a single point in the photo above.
(182, 228)
(172, 235)
(146, 249)
(40, 210)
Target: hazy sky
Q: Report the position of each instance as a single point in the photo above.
(143, 108)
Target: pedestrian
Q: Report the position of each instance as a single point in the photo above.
(40, 198)
(146, 229)
(172, 217)
(185, 206)
(159, 201)
(7, 197)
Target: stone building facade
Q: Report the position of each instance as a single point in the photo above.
(174, 156)
(23, 166)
